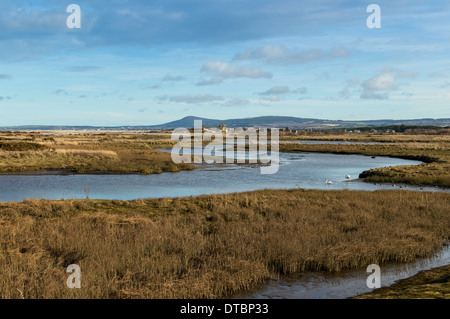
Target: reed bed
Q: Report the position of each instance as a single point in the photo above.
(86, 153)
(209, 246)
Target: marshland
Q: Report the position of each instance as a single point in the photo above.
(216, 245)
(86, 153)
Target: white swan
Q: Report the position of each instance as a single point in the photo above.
(328, 182)
(347, 176)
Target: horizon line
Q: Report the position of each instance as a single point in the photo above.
(229, 119)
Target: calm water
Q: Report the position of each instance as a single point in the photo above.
(308, 170)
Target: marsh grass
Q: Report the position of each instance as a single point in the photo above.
(209, 246)
(76, 152)
(20, 146)
(87, 153)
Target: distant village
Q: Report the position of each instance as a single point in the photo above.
(289, 131)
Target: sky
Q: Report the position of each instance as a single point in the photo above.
(145, 62)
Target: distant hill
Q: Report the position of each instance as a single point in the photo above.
(296, 122)
(262, 121)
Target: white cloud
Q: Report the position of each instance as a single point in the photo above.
(171, 78)
(371, 95)
(192, 99)
(237, 102)
(272, 98)
(385, 81)
(283, 89)
(267, 52)
(226, 70)
(285, 56)
(378, 86)
(212, 81)
(276, 90)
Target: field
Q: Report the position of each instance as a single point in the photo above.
(209, 246)
(101, 153)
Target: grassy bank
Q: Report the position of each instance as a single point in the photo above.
(86, 153)
(209, 246)
(435, 171)
(427, 284)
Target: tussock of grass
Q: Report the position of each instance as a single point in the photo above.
(87, 152)
(209, 246)
(20, 146)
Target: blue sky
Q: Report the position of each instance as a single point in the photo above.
(150, 62)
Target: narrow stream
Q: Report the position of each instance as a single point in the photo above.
(321, 285)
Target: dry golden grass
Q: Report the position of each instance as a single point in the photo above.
(209, 246)
(86, 153)
(94, 153)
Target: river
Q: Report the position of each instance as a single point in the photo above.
(303, 170)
